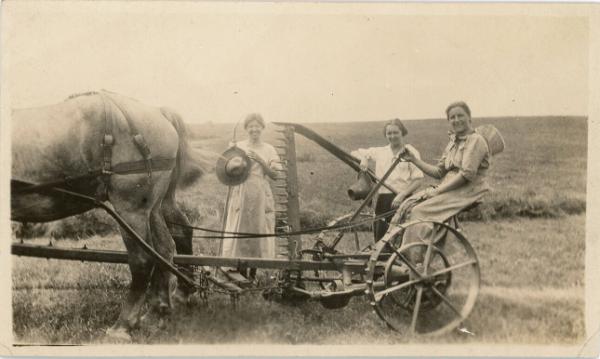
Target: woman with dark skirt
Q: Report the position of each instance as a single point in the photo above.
(405, 178)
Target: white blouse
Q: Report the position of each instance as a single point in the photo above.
(264, 151)
(403, 175)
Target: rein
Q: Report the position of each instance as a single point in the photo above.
(124, 225)
(287, 234)
(125, 168)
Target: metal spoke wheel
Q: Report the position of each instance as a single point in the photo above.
(423, 278)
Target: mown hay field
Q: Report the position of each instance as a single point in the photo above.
(532, 293)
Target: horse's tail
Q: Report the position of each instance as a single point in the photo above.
(190, 164)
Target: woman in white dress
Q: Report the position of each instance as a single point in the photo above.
(251, 206)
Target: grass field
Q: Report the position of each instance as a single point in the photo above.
(542, 172)
(532, 292)
(531, 246)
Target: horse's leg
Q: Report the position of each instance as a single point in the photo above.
(163, 282)
(135, 201)
(141, 266)
(182, 235)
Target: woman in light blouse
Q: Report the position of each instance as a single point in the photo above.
(462, 169)
(251, 207)
(405, 178)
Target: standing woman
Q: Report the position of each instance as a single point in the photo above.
(462, 169)
(405, 178)
(251, 206)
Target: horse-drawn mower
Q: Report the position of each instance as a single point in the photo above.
(424, 287)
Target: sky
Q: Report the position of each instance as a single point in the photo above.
(299, 63)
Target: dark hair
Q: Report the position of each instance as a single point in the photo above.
(254, 117)
(395, 122)
(460, 104)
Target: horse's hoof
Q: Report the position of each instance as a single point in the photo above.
(180, 297)
(118, 335)
(162, 324)
(148, 319)
(164, 310)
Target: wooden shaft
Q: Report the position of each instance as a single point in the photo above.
(111, 256)
(225, 211)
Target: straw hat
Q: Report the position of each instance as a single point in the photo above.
(493, 138)
(233, 167)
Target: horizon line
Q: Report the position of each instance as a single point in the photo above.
(407, 119)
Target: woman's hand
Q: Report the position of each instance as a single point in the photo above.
(364, 164)
(266, 168)
(253, 156)
(398, 200)
(427, 193)
(409, 155)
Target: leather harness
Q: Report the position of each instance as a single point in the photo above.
(147, 165)
(109, 141)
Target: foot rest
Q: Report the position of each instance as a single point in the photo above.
(238, 279)
(225, 284)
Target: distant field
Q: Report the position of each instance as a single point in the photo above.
(532, 292)
(542, 172)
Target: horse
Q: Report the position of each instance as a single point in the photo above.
(138, 156)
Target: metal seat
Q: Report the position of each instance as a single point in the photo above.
(471, 206)
(453, 221)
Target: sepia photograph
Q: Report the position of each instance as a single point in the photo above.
(295, 178)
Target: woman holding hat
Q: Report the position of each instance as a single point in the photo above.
(405, 178)
(251, 205)
(462, 169)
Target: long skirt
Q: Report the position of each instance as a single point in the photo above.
(438, 208)
(383, 204)
(251, 210)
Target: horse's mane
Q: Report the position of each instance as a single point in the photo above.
(91, 93)
(79, 94)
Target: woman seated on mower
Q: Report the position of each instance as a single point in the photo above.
(405, 178)
(462, 170)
